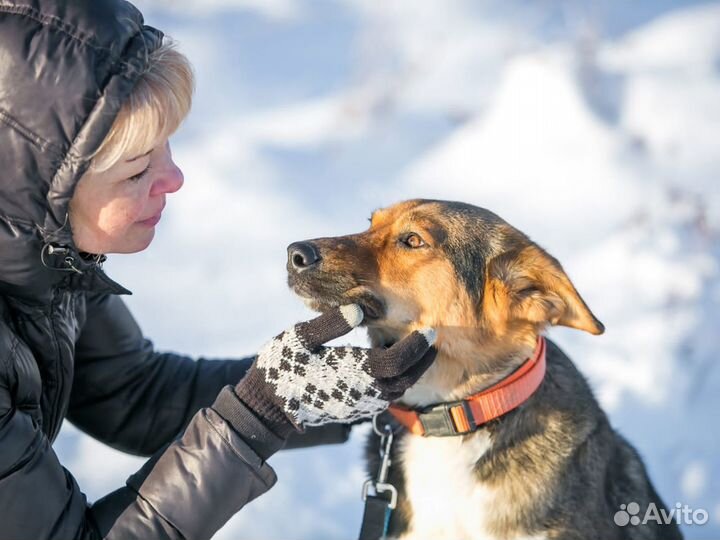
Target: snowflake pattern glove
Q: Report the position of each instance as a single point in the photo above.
(315, 385)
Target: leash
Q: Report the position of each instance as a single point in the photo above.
(382, 501)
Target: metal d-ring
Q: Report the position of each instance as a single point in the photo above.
(387, 429)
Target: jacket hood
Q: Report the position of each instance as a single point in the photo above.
(66, 68)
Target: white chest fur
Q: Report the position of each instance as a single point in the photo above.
(448, 501)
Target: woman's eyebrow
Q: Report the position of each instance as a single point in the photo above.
(138, 157)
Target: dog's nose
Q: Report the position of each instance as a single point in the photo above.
(302, 255)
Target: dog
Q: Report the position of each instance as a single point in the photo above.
(552, 466)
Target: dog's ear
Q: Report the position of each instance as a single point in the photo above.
(528, 284)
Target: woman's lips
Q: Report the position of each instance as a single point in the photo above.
(152, 221)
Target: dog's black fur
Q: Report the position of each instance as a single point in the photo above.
(557, 467)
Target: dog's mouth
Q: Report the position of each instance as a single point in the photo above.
(372, 306)
(328, 297)
(325, 291)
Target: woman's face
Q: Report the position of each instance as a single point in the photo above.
(115, 211)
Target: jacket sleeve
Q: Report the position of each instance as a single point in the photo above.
(186, 491)
(189, 490)
(136, 399)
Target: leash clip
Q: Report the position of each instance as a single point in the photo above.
(378, 509)
(380, 484)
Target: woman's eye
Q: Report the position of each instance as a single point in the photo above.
(413, 241)
(139, 175)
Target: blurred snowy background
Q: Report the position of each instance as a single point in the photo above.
(592, 126)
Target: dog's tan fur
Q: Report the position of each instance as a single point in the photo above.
(525, 291)
(489, 291)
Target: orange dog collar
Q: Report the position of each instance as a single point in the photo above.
(464, 416)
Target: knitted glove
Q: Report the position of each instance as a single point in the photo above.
(295, 378)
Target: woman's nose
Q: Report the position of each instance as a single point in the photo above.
(169, 180)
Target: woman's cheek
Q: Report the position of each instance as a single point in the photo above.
(119, 215)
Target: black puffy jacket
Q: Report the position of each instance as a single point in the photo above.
(68, 345)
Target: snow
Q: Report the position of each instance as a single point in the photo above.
(595, 131)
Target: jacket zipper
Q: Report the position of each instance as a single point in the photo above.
(58, 371)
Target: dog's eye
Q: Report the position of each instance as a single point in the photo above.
(413, 240)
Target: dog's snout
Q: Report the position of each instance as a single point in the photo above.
(302, 255)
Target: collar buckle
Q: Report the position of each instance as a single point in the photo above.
(464, 416)
(448, 419)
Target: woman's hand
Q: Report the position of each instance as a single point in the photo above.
(297, 377)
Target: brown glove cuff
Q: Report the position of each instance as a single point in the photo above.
(259, 397)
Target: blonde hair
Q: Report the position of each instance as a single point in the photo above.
(155, 108)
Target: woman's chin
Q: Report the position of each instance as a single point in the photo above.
(130, 243)
(141, 244)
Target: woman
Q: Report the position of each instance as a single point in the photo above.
(88, 99)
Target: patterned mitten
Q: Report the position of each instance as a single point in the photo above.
(297, 378)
